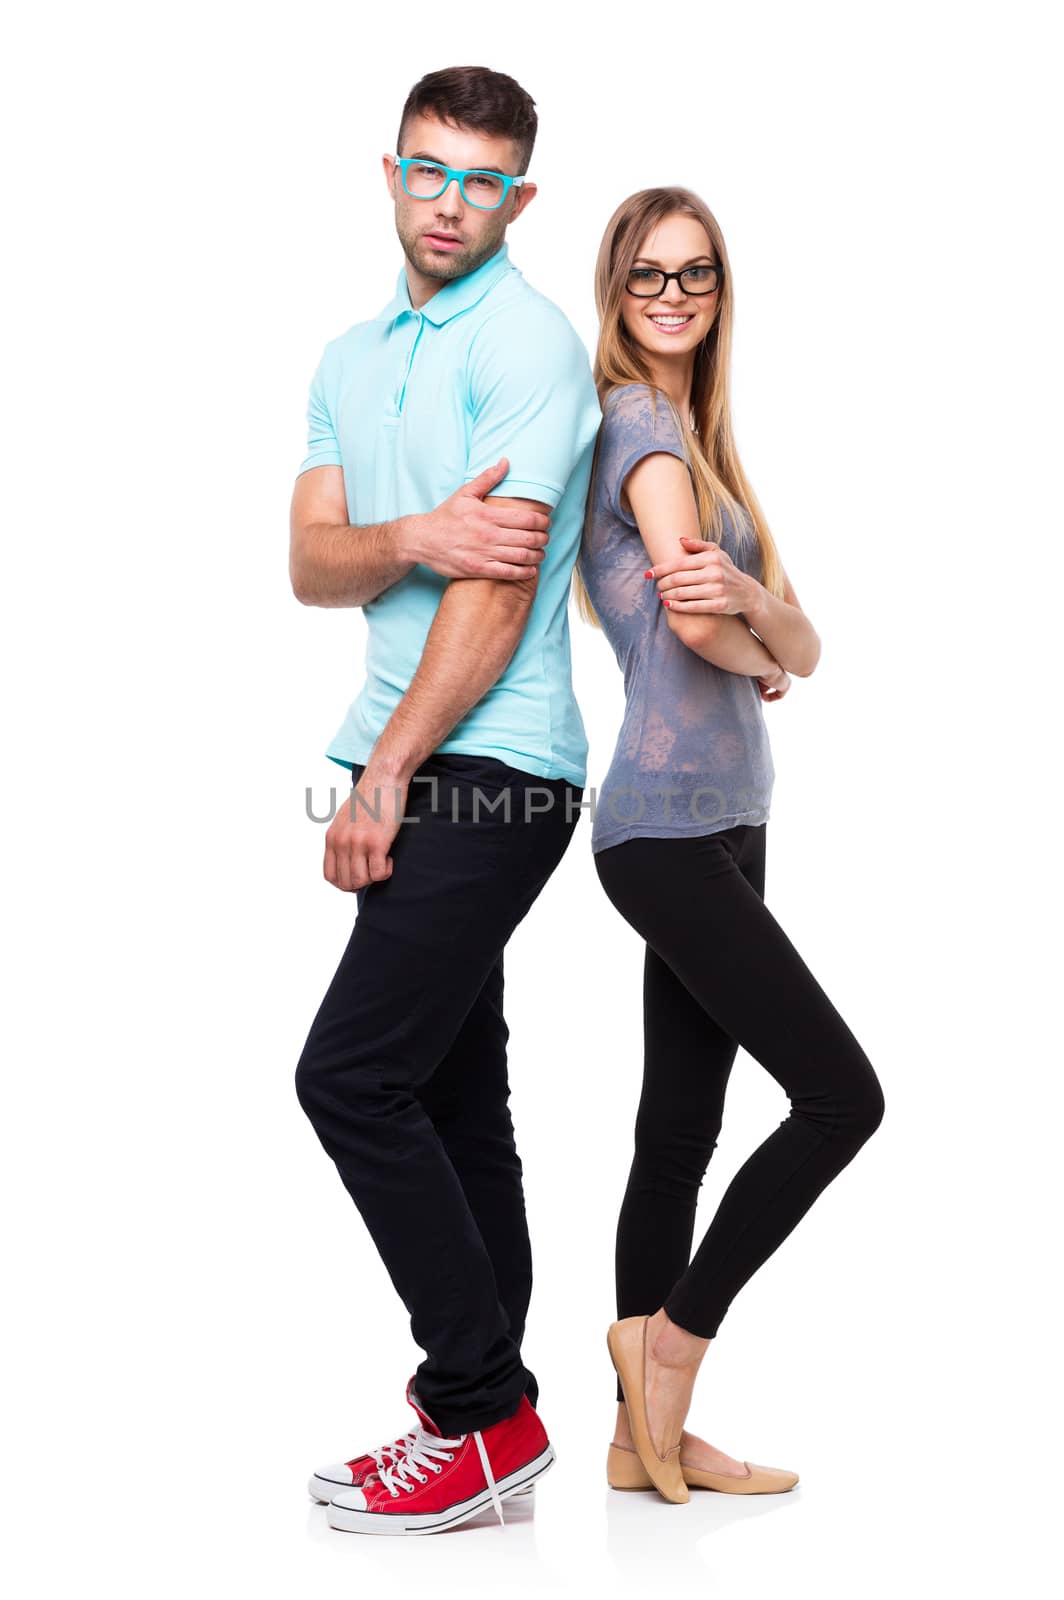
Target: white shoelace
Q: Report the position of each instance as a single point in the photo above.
(428, 1450)
(397, 1450)
(486, 1464)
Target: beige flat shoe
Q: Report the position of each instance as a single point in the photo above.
(625, 1470)
(626, 1341)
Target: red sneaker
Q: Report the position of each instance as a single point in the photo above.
(328, 1481)
(442, 1481)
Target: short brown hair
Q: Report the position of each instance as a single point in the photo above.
(475, 97)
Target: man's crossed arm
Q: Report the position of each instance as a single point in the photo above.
(332, 563)
(474, 633)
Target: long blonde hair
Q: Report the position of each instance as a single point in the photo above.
(719, 479)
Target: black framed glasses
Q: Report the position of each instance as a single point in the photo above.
(646, 282)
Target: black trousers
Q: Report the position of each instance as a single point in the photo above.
(404, 1072)
(720, 972)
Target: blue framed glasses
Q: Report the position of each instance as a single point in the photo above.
(426, 180)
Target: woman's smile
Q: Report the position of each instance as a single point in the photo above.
(671, 322)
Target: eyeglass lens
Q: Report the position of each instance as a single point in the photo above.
(649, 281)
(483, 189)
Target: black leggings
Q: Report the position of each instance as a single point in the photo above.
(720, 972)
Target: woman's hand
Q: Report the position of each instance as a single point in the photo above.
(774, 685)
(705, 580)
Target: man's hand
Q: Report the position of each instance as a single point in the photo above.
(705, 581)
(363, 830)
(465, 538)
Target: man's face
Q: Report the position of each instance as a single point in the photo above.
(445, 238)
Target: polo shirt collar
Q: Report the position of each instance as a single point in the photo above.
(456, 295)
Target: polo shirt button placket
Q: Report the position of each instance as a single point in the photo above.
(418, 324)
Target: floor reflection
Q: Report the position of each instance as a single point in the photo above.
(645, 1534)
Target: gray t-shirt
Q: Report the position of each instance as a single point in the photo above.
(692, 755)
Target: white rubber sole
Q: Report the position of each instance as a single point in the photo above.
(395, 1522)
(323, 1489)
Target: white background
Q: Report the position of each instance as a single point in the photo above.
(196, 1317)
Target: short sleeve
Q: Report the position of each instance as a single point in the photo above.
(637, 422)
(323, 446)
(531, 399)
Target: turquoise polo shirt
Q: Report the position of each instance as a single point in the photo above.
(413, 403)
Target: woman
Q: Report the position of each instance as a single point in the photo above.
(680, 570)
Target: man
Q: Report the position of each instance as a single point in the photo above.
(443, 491)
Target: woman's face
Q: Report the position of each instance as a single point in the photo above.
(673, 323)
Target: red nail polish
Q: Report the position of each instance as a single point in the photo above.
(649, 574)
(665, 602)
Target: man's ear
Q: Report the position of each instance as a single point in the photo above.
(525, 195)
